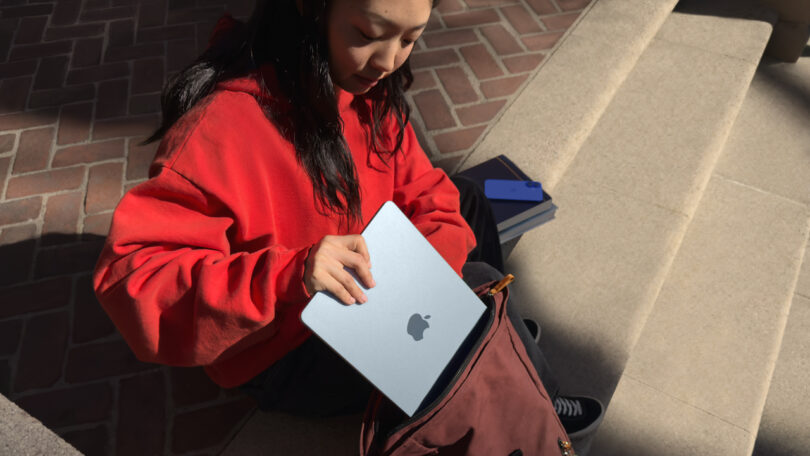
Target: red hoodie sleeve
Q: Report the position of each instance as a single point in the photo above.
(430, 200)
(173, 287)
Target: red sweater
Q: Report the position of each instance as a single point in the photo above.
(204, 261)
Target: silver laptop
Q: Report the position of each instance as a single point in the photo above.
(416, 321)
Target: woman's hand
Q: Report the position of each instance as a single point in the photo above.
(324, 267)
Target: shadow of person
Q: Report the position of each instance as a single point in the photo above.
(63, 361)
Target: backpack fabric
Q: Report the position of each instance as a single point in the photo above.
(495, 405)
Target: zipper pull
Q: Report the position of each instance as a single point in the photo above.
(501, 285)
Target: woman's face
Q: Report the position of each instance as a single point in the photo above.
(370, 39)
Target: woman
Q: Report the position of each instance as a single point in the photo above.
(277, 146)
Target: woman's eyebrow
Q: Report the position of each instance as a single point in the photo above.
(386, 22)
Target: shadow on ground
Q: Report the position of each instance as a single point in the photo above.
(62, 360)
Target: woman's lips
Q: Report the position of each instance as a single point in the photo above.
(366, 82)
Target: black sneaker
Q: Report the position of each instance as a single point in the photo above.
(533, 327)
(580, 415)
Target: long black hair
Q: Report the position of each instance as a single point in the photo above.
(294, 42)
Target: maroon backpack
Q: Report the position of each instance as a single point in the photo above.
(495, 405)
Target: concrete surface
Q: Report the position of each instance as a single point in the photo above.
(783, 429)
(545, 127)
(22, 435)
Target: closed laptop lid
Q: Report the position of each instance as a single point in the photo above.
(414, 321)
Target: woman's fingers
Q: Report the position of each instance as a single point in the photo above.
(325, 268)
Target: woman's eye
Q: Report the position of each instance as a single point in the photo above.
(408, 42)
(366, 37)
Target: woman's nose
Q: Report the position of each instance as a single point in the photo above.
(384, 59)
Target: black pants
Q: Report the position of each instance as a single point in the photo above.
(312, 380)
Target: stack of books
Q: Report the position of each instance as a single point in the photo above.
(512, 216)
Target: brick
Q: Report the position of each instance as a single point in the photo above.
(15, 94)
(191, 386)
(470, 18)
(144, 104)
(138, 51)
(165, 33)
(102, 360)
(482, 3)
(209, 426)
(30, 51)
(104, 187)
(542, 41)
(70, 406)
(108, 14)
(523, 63)
(67, 259)
(141, 427)
(30, 30)
(521, 19)
(16, 264)
(66, 12)
(51, 74)
(58, 97)
(122, 33)
(457, 85)
(480, 113)
(89, 153)
(112, 98)
(481, 61)
(45, 182)
(423, 80)
(436, 58)
(27, 11)
(435, 112)
(7, 29)
(10, 332)
(6, 145)
(96, 225)
(5, 162)
(542, 7)
(180, 53)
(449, 6)
(74, 125)
(449, 164)
(502, 87)
(34, 150)
(207, 15)
(42, 352)
(20, 210)
(89, 442)
(561, 22)
(5, 377)
(90, 321)
(139, 158)
(501, 40)
(449, 38)
(98, 73)
(74, 32)
(28, 119)
(96, 4)
(433, 24)
(62, 215)
(152, 14)
(573, 5)
(87, 52)
(17, 233)
(147, 75)
(19, 68)
(130, 126)
(458, 140)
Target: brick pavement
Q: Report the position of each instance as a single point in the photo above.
(79, 88)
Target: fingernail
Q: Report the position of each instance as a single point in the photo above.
(373, 283)
(364, 299)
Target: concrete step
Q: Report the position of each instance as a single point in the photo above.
(775, 116)
(697, 379)
(626, 199)
(546, 126)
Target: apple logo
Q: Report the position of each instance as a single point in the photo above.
(417, 326)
